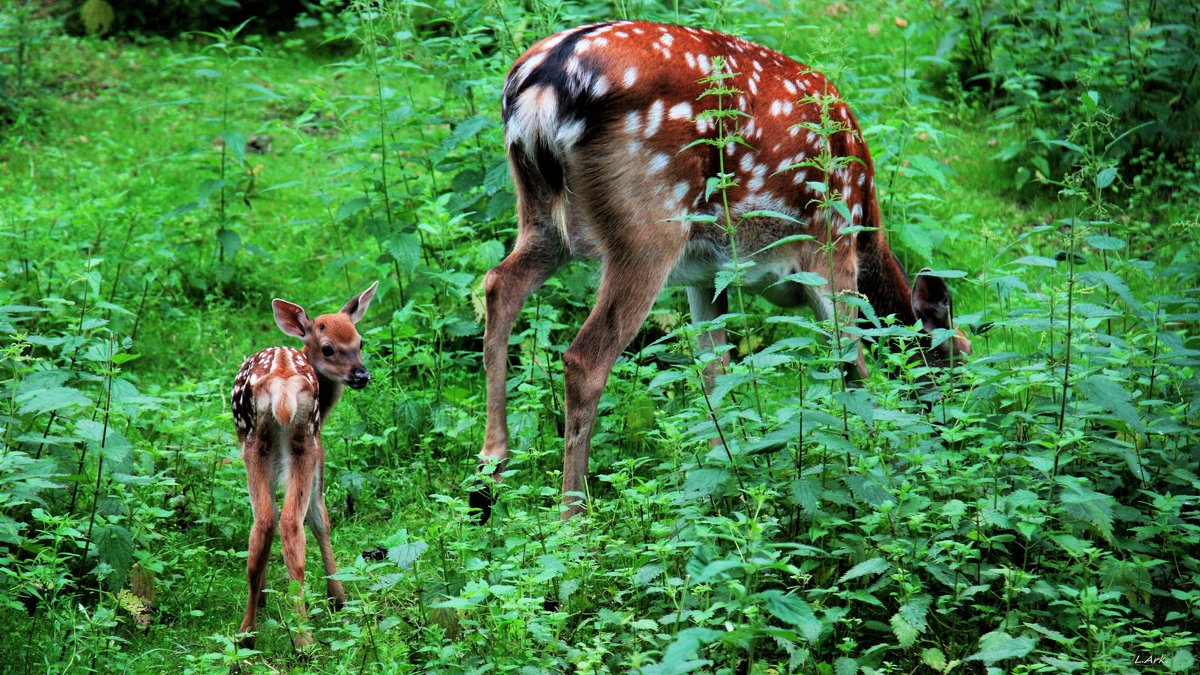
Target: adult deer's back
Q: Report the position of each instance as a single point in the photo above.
(601, 129)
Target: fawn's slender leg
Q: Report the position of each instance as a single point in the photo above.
(301, 467)
(318, 522)
(628, 288)
(260, 479)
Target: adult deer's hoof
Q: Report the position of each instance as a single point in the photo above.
(480, 501)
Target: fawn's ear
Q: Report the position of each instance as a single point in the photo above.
(357, 307)
(290, 318)
(931, 302)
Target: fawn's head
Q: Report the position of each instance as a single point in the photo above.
(331, 342)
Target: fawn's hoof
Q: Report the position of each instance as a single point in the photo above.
(480, 501)
(247, 642)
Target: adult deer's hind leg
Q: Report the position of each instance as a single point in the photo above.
(629, 285)
(539, 251)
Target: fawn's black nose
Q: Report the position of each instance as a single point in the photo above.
(359, 377)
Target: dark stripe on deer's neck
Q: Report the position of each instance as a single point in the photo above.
(328, 393)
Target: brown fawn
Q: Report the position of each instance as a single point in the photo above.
(601, 129)
(281, 399)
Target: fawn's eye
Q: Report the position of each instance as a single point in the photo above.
(327, 350)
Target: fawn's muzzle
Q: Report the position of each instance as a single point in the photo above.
(359, 377)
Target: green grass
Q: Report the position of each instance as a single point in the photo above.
(996, 527)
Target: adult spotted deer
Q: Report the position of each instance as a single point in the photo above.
(601, 124)
(281, 399)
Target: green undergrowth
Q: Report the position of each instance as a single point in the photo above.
(1034, 513)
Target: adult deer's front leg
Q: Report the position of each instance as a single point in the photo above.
(845, 281)
(628, 287)
(704, 308)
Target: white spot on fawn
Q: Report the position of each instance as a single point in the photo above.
(657, 163)
(630, 76)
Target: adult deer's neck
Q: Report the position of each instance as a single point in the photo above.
(880, 276)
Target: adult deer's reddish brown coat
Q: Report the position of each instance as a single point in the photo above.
(600, 128)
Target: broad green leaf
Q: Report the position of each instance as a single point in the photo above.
(229, 240)
(1086, 505)
(667, 377)
(682, 656)
(929, 167)
(1036, 261)
(706, 482)
(112, 445)
(872, 567)
(806, 494)
(803, 278)
(264, 94)
(405, 249)
(935, 659)
(1182, 661)
(795, 611)
(647, 573)
(53, 398)
(351, 206)
(915, 610)
(906, 634)
(1114, 398)
(113, 545)
(943, 274)
(1105, 242)
(406, 554)
(999, 646)
(235, 144)
(767, 213)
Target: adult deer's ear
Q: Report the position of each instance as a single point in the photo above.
(290, 318)
(357, 307)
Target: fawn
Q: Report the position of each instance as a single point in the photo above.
(602, 124)
(281, 399)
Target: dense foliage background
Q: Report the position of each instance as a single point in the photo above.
(1041, 516)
